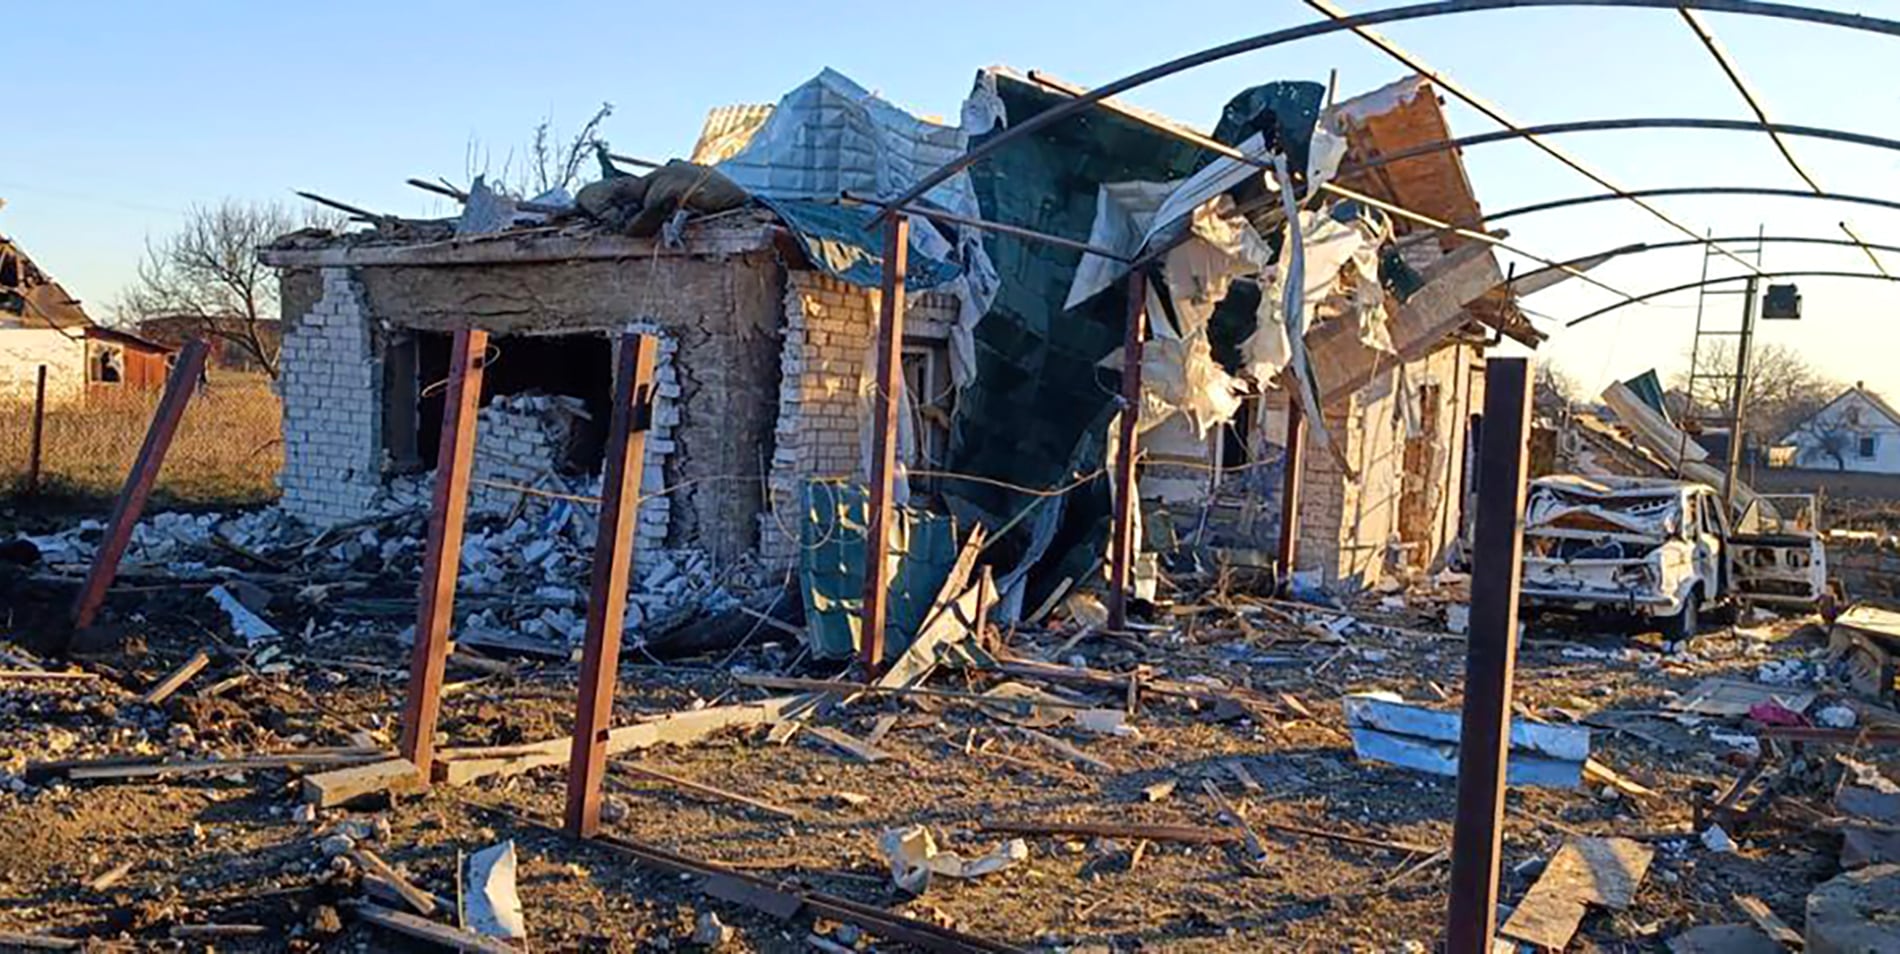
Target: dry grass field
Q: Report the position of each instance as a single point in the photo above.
(226, 453)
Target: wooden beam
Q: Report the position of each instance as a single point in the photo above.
(890, 356)
(338, 786)
(409, 925)
(1127, 503)
(37, 444)
(176, 679)
(179, 388)
(614, 539)
(443, 558)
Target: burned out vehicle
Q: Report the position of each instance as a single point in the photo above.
(1663, 550)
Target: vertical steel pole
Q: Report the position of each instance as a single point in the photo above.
(890, 359)
(37, 447)
(179, 388)
(614, 540)
(1491, 658)
(442, 561)
(1121, 553)
(1738, 403)
(1293, 462)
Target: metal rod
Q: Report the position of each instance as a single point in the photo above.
(1866, 247)
(998, 227)
(1490, 659)
(1332, 188)
(614, 541)
(1293, 464)
(442, 560)
(179, 388)
(1121, 556)
(1642, 247)
(877, 530)
(37, 446)
(1554, 204)
(1418, 11)
(1639, 299)
(1530, 133)
(1496, 114)
(1738, 403)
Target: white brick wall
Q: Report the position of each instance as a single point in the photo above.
(332, 388)
(656, 508)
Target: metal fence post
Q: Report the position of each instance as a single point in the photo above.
(890, 358)
(35, 449)
(1121, 554)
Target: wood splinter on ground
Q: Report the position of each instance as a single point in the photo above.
(415, 897)
(164, 688)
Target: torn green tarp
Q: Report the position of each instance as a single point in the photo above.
(1035, 414)
(831, 568)
(1284, 112)
(837, 240)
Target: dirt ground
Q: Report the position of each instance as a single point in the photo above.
(233, 849)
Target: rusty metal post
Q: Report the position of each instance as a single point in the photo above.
(890, 358)
(138, 483)
(442, 561)
(1490, 658)
(614, 539)
(1293, 464)
(1121, 548)
(37, 446)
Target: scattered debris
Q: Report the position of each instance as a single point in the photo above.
(1387, 729)
(492, 907)
(1586, 871)
(914, 857)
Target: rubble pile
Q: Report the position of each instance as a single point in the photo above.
(522, 440)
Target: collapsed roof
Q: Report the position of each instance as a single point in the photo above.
(31, 298)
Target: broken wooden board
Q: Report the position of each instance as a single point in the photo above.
(1602, 871)
(143, 767)
(846, 743)
(1731, 698)
(454, 939)
(1770, 923)
(338, 786)
(702, 788)
(460, 766)
(1602, 774)
(164, 688)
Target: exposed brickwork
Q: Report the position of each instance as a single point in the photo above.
(822, 424)
(332, 388)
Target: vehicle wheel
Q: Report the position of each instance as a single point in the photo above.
(1685, 623)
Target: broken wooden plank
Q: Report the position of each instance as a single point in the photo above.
(842, 688)
(1601, 774)
(1238, 770)
(1770, 923)
(1256, 850)
(121, 768)
(704, 789)
(39, 942)
(424, 930)
(415, 897)
(187, 932)
(164, 688)
(46, 675)
(1064, 749)
(464, 765)
(1585, 871)
(841, 740)
(335, 787)
(110, 876)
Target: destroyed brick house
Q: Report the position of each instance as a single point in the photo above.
(762, 288)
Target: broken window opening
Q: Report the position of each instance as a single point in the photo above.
(576, 365)
(933, 398)
(107, 366)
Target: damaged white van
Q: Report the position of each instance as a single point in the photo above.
(1655, 548)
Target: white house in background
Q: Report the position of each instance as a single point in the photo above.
(1856, 431)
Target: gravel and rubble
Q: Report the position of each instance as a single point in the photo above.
(1235, 699)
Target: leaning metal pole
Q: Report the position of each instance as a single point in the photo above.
(1490, 658)
(1738, 401)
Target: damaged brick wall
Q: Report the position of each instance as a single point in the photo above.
(719, 313)
(331, 382)
(820, 432)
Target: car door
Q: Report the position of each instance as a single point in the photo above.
(1710, 530)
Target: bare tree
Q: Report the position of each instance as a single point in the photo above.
(1829, 435)
(1783, 389)
(549, 161)
(1554, 390)
(208, 272)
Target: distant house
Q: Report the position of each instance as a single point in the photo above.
(42, 326)
(1857, 431)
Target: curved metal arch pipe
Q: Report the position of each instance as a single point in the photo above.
(1639, 299)
(1554, 204)
(1418, 11)
(1639, 248)
(1607, 125)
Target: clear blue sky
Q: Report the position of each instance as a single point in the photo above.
(124, 114)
